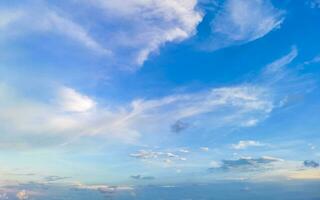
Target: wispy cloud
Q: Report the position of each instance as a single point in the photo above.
(74, 113)
(139, 177)
(16, 23)
(69, 114)
(128, 31)
(148, 25)
(242, 21)
(278, 66)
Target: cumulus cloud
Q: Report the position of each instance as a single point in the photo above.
(72, 101)
(243, 144)
(311, 164)
(242, 21)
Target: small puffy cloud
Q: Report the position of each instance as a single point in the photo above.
(250, 123)
(215, 164)
(179, 126)
(72, 101)
(311, 164)
(184, 151)
(204, 149)
(22, 195)
(242, 21)
(243, 144)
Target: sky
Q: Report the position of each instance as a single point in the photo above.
(149, 99)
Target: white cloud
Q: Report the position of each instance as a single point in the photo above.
(204, 148)
(148, 25)
(280, 64)
(242, 21)
(72, 101)
(243, 144)
(127, 31)
(16, 23)
(104, 188)
(22, 195)
(70, 114)
(74, 114)
(215, 164)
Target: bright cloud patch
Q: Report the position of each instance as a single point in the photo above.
(242, 21)
(72, 101)
(243, 144)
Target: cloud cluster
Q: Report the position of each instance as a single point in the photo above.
(245, 163)
(311, 164)
(71, 113)
(138, 28)
(159, 156)
(38, 191)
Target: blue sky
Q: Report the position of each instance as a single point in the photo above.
(107, 96)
